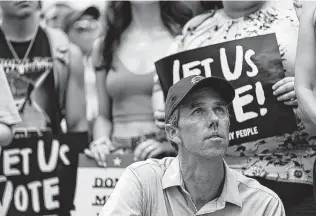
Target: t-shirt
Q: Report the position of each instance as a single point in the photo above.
(26, 64)
(289, 157)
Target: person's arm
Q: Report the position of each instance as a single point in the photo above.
(6, 134)
(75, 99)
(102, 128)
(103, 123)
(158, 103)
(305, 68)
(158, 96)
(287, 36)
(126, 198)
(9, 114)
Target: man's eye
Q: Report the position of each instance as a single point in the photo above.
(220, 110)
(198, 111)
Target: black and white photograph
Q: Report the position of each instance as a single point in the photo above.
(158, 108)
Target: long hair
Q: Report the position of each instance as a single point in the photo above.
(174, 15)
(211, 5)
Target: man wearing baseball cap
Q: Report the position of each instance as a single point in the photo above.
(197, 181)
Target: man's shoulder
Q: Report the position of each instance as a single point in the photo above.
(151, 168)
(251, 187)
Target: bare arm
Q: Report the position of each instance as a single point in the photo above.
(6, 134)
(158, 96)
(103, 123)
(305, 68)
(75, 99)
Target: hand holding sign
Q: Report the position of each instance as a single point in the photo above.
(99, 149)
(151, 148)
(284, 90)
(159, 116)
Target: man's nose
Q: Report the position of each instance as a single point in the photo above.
(212, 120)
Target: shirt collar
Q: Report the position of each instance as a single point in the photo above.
(230, 192)
(172, 176)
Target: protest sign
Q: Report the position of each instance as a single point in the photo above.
(38, 174)
(95, 184)
(252, 66)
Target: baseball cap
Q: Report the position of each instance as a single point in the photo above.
(75, 15)
(182, 88)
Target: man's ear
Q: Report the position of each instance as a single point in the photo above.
(173, 133)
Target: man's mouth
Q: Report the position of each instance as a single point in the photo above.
(214, 135)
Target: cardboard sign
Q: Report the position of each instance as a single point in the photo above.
(252, 66)
(38, 174)
(95, 184)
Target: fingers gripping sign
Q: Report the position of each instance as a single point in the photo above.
(284, 90)
(99, 149)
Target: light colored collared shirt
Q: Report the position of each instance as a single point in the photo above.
(155, 188)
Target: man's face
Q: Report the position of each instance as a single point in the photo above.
(19, 9)
(203, 126)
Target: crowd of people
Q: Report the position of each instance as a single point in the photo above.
(64, 69)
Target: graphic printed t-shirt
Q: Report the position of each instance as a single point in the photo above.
(23, 75)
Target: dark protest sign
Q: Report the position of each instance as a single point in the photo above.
(252, 66)
(38, 175)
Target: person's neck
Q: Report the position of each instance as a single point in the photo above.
(237, 13)
(202, 177)
(146, 17)
(19, 30)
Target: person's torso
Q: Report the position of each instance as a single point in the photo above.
(174, 201)
(130, 82)
(217, 27)
(25, 64)
(130, 94)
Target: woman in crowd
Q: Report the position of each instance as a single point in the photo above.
(291, 177)
(137, 34)
(305, 70)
